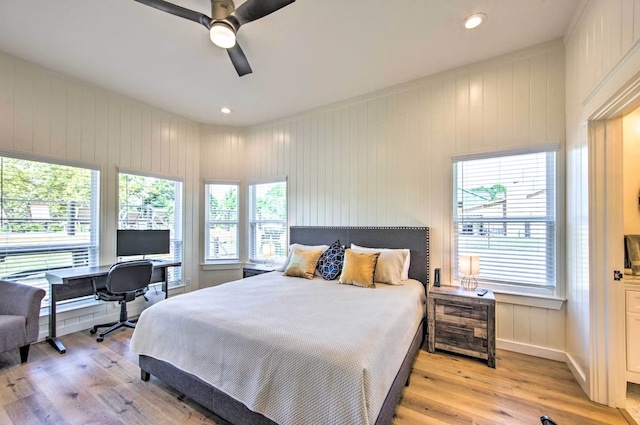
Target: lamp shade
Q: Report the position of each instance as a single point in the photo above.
(268, 250)
(469, 265)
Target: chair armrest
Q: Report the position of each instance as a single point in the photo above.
(22, 300)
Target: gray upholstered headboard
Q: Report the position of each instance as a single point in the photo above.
(416, 239)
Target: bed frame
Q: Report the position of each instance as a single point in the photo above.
(414, 238)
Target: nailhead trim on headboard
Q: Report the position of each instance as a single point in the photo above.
(420, 268)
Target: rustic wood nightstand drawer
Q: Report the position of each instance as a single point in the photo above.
(454, 338)
(444, 309)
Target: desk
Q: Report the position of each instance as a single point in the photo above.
(66, 284)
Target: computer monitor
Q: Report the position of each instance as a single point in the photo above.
(142, 242)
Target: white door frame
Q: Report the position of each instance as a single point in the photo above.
(606, 247)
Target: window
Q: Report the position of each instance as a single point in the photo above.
(49, 219)
(221, 234)
(268, 220)
(505, 212)
(153, 203)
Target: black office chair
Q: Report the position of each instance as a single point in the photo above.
(125, 282)
(546, 420)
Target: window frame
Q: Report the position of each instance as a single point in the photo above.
(208, 223)
(505, 289)
(93, 253)
(176, 276)
(251, 221)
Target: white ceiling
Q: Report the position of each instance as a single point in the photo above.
(308, 54)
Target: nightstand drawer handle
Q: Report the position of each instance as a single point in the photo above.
(469, 307)
(458, 329)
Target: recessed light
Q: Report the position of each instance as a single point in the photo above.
(474, 20)
(225, 110)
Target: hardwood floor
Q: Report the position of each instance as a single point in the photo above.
(100, 384)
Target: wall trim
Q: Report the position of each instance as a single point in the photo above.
(531, 350)
(611, 74)
(550, 303)
(577, 372)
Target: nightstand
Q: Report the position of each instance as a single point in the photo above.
(255, 269)
(462, 322)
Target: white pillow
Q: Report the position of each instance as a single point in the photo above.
(303, 248)
(404, 273)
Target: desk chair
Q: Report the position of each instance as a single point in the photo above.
(125, 282)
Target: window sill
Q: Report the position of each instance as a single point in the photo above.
(530, 297)
(70, 306)
(230, 265)
(90, 301)
(530, 300)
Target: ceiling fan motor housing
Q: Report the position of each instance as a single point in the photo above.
(221, 9)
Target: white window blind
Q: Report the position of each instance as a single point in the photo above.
(268, 220)
(49, 219)
(505, 212)
(222, 221)
(153, 203)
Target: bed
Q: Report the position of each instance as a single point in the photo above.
(271, 358)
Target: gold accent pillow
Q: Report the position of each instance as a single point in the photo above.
(303, 263)
(358, 268)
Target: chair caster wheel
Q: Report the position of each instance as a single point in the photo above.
(92, 331)
(99, 339)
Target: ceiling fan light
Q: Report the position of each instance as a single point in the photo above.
(222, 35)
(474, 21)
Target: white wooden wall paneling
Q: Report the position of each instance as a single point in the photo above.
(45, 114)
(384, 159)
(599, 49)
(42, 118)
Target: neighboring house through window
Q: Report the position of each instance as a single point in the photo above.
(49, 219)
(153, 203)
(505, 213)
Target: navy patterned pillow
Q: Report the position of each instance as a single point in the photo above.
(330, 262)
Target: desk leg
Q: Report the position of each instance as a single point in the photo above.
(165, 282)
(52, 339)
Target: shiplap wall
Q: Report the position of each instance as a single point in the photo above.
(46, 115)
(222, 159)
(601, 56)
(384, 159)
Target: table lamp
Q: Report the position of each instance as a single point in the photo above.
(469, 267)
(268, 251)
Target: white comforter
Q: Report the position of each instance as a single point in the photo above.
(297, 351)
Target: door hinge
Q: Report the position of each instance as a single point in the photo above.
(617, 275)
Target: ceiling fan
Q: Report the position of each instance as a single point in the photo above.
(225, 22)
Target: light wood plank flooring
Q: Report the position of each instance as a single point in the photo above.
(100, 384)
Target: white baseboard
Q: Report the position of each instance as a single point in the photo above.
(578, 373)
(531, 350)
(547, 353)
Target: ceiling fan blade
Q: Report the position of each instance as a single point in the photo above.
(239, 60)
(179, 11)
(256, 9)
